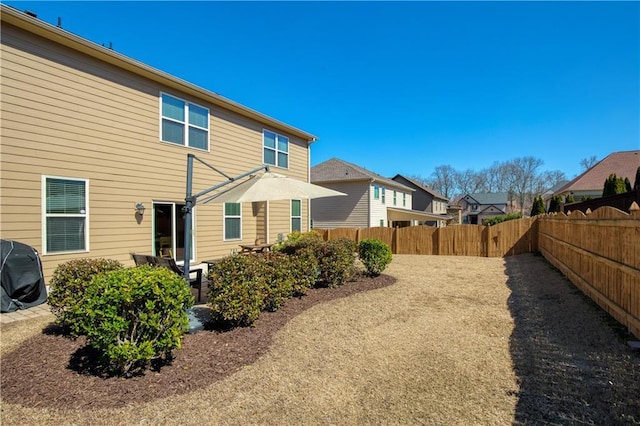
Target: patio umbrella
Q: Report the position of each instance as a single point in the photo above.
(271, 186)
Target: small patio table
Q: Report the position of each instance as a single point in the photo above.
(255, 248)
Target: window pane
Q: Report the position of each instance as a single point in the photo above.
(197, 138)
(232, 209)
(65, 196)
(269, 139)
(296, 224)
(283, 160)
(295, 208)
(376, 192)
(65, 234)
(198, 116)
(269, 156)
(172, 107)
(172, 132)
(283, 143)
(231, 228)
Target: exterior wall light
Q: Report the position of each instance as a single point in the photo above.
(140, 209)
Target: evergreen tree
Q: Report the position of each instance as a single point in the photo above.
(636, 184)
(627, 185)
(569, 199)
(538, 206)
(613, 185)
(555, 205)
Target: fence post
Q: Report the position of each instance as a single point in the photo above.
(486, 241)
(394, 241)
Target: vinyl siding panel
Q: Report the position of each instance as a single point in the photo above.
(342, 212)
(68, 115)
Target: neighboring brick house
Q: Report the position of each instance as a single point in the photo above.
(372, 200)
(475, 208)
(88, 134)
(591, 183)
(427, 200)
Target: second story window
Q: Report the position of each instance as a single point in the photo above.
(376, 192)
(395, 195)
(184, 123)
(404, 200)
(275, 149)
(384, 195)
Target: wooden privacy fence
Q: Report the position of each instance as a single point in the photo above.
(504, 239)
(599, 252)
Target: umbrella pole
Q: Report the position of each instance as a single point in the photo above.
(188, 211)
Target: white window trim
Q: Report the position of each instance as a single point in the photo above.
(276, 150)
(224, 223)
(383, 195)
(173, 230)
(376, 192)
(185, 123)
(44, 215)
(395, 195)
(291, 216)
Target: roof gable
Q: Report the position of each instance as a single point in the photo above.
(419, 186)
(336, 170)
(623, 164)
(488, 198)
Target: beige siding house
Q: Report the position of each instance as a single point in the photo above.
(372, 200)
(87, 134)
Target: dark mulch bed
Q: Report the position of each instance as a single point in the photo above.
(50, 370)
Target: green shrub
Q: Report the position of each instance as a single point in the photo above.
(134, 316)
(304, 266)
(335, 262)
(297, 240)
(236, 290)
(502, 218)
(278, 279)
(375, 255)
(569, 199)
(69, 282)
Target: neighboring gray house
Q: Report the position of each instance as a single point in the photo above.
(372, 200)
(483, 205)
(427, 200)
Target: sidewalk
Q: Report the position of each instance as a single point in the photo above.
(33, 312)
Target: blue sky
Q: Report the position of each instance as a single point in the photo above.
(400, 87)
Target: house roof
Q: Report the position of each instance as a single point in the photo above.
(421, 187)
(622, 163)
(489, 197)
(10, 15)
(336, 170)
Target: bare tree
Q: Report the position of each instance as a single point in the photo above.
(587, 163)
(522, 179)
(443, 180)
(470, 182)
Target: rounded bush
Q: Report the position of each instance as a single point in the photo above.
(375, 255)
(134, 316)
(236, 290)
(335, 261)
(69, 282)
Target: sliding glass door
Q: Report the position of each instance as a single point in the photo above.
(168, 231)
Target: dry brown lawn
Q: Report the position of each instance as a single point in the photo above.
(456, 340)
